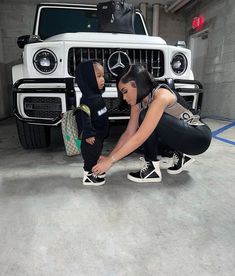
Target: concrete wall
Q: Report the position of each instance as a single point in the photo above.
(4, 102)
(15, 20)
(172, 27)
(2, 73)
(219, 70)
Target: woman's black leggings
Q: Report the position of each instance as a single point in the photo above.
(177, 135)
(91, 153)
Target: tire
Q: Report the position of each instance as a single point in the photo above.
(33, 136)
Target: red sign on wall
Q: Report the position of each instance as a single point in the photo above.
(198, 22)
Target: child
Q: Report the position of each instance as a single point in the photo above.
(93, 128)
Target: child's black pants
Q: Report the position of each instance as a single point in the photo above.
(91, 153)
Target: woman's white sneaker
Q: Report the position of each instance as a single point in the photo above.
(181, 161)
(149, 173)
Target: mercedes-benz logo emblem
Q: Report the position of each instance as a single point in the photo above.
(117, 61)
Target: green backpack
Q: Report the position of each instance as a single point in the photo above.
(69, 129)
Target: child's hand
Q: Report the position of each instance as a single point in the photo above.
(90, 140)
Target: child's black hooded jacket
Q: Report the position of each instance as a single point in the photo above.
(97, 124)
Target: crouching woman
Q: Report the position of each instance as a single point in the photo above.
(159, 117)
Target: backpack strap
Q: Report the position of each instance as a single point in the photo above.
(84, 108)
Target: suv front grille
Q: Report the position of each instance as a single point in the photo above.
(115, 108)
(152, 60)
(42, 107)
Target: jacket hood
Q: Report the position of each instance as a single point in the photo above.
(86, 80)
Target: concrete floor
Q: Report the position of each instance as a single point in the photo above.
(50, 224)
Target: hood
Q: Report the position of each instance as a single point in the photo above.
(109, 38)
(86, 80)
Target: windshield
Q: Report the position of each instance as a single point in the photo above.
(55, 21)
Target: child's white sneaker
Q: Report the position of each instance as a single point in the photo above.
(91, 179)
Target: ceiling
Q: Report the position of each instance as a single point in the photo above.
(169, 5)
(162, 2)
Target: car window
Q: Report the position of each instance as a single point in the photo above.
(55, 21)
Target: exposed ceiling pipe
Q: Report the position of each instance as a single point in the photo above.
(143, 8)
(177, 5)
(155, 26)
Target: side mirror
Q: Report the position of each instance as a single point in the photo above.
(23, 40)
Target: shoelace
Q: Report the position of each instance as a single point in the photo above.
(94, 175)
(145, 164)
(176, 158)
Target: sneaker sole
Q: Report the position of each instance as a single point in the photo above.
(93, 184)
(143, 180)
(182, 168)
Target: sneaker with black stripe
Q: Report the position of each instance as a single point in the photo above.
(180, 162)
(149, 173)
(90, 179)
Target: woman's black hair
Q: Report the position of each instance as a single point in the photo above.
(143, 79)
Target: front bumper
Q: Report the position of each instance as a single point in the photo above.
(29, 103)
(192, 91)
(42, 101)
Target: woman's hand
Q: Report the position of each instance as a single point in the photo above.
(101, 157)
(102, 166)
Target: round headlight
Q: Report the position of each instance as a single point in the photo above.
(45, 61)
(179, 64)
